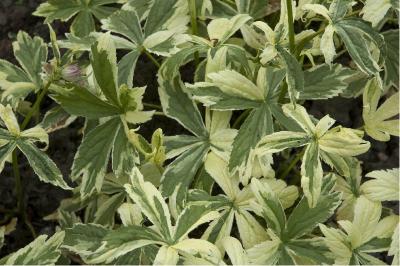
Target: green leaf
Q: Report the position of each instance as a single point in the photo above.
(73, 97)
(191, 217)
(324, 82)
(339, 8)
(256, 9)
(124, 155)
(304, 219)
(123, 240)
(104, 63)
(167, 15)
(96, 144)
(126, 23)
(256, 125)
(282, 140)
(392, 58)
(38, 252)
(294, 74)
(106, 212)
(84, 239)
(42, 165)
(83, 24)
(14, 81)
(174, 99)
(311, 174)
(152, 204)
(311, 249)
(272, 209)
(180, 173)
(83, 11)
(31, 53)
(221, 29)
(352, 33)
(126, 68)
(5, 151)
(56, 118)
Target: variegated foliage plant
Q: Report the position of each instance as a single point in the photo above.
(255, 178)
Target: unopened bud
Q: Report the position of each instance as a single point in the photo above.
(71, 73)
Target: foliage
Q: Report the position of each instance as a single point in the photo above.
(231, 188)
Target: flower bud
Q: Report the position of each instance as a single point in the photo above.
(72, 73)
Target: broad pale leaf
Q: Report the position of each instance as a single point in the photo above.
(378, 122)
(384, 185)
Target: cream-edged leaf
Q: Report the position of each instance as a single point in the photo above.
(151, 202)
(380, 122)
(42, 251)
(383, 186)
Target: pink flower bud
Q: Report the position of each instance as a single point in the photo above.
(71, 73)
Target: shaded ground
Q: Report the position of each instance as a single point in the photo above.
(43, 199)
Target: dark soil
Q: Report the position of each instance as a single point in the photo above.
(43, 199)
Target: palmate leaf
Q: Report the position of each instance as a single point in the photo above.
(166, 21)
(286, 245)
(41, 251)
(355, 33)
(83, 13)
(361, 235)
(221, 93)
(378, 121)
(250, 230)
(338, 141)
(119, 242)
(384, 185)
(117, 106)
(13, 138)
(30, 53)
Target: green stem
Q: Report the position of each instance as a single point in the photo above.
(150, 56)
(240, 119)
(292, 45)
(18, 183)
(150, 105)
(159, 113)
(193, 23)
(19, 189)
(283, 92)
(291, 165)
(36, 105)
